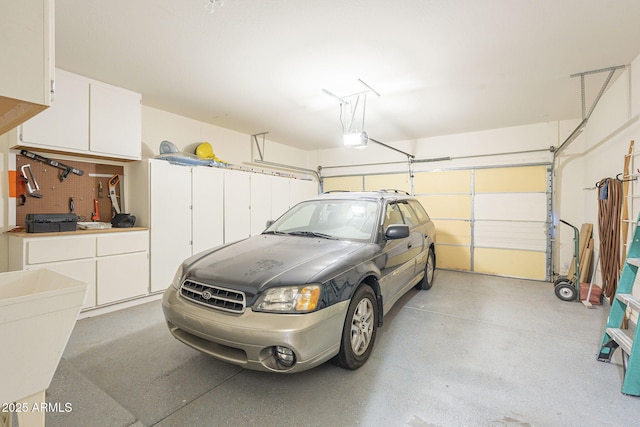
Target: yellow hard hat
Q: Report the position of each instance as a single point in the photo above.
(205, 151)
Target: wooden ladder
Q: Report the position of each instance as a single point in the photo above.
(614, 336)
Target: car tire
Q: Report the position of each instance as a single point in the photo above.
(359, 331)
(429, 271)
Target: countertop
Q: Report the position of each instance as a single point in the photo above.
(78, 232)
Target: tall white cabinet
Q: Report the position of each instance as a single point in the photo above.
(185, 217)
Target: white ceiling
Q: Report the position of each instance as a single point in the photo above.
(441, 67)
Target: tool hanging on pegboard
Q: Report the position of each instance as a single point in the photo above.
(66, 170)
(113, 182)
(30, 181)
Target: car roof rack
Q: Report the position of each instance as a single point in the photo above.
(393, 190)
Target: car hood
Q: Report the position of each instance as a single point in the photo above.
(271, 260)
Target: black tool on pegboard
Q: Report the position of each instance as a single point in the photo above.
(66, 170)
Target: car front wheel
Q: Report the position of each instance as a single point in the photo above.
(359, 332)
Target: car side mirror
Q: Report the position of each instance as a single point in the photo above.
(397, 231)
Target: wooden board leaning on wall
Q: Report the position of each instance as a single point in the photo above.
(57, 194)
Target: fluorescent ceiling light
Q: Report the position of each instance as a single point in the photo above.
(355, 139)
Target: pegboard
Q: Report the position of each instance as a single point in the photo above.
(57, 194)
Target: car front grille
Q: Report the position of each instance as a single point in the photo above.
(213, 296)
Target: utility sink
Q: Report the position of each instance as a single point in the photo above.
(38, 310)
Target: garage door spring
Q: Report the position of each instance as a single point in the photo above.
(609, 213)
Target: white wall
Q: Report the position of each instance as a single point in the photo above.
(601, 150)
(234, 147)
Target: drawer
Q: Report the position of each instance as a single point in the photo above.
(122, 243)
(60, 249)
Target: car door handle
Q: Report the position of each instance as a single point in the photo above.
(409, 245)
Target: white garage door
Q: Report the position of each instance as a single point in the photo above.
(491, 220)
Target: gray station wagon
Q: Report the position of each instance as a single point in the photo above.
(314, 286)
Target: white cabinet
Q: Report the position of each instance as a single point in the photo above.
(115, 121)
(271, 196)
(237, 205)
(300, 190)
(186, 216)
(64, 126)
(88, 118)
(121, 277)
(207, 215)
(27, 60)
(170, 220)
(260, 201)
(115, 264)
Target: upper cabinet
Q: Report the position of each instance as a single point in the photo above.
(27, 60)
(115, 119)
(64, 126)
(87, 117)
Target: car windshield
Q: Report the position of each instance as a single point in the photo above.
(331, 219)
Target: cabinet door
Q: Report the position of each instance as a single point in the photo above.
(207, 215)
(115, 121)
(170, 221)
(302, 190)
(237, 199)
(26, 32)
(27, 60)
(280, 188)
(261, 196)
(121, 277)
(64, 125)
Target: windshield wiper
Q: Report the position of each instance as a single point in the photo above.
(281, 233)
(312, 234)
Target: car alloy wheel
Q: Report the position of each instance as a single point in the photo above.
(359, 332)
(362, 326)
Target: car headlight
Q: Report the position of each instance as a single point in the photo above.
(290, 299)
(177, 278)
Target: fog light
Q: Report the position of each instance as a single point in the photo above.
(285, 356)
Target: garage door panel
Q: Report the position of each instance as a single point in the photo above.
(453, 232)
(511, 180)
(513, 263)
(453, 257)
(511, 235)
(454, 181)
(347, 183)
(388, 181)
(511, 206)
(456, 206)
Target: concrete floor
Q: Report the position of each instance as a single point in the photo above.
(473, 351)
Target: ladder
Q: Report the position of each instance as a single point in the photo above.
(614, 336)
